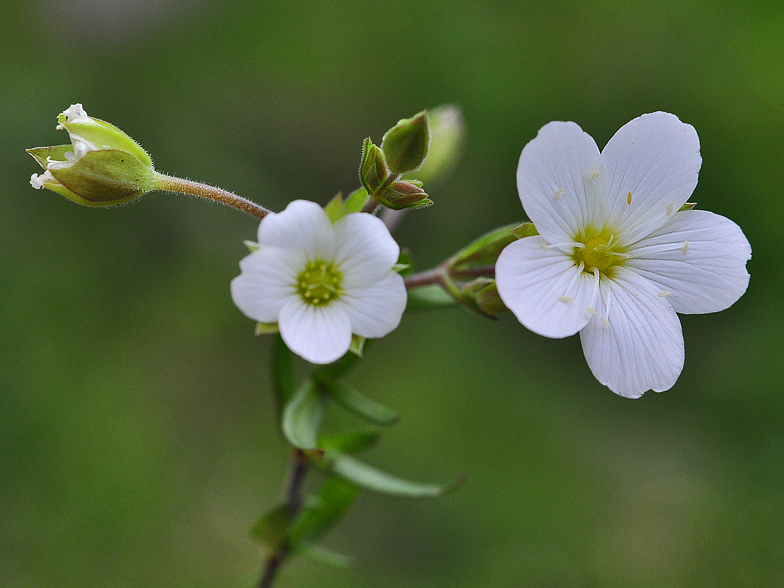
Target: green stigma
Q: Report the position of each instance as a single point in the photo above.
(319, 283)
(601, 251)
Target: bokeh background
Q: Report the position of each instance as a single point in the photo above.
(137, 433)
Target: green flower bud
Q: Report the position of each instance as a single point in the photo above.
(404, 194)
(406, 144)
(102, 167)
(373, 171)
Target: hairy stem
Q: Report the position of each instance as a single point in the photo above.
(181, 186)
(299, 469)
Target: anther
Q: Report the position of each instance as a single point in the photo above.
(543, 246)
(604, 321)
(593, 176)
(670, 206)
(685, 247)
(591, 310)
(664, 293)
(565, 299)
(558, 194)
(629, 199)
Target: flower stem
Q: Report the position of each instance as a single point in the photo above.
(435, 276)
(299, 469)
(181, 186)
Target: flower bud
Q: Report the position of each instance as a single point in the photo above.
(405, 145)
(404, 194)
(373, 171)
(102, 167)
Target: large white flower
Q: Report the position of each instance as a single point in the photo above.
(616, 257)
(321, 281)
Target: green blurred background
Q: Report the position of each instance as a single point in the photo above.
(137, 431)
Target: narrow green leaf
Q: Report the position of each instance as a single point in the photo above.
(356, 200)
(302, 416)
(323, 511)
(482, 251)
(430, 297)
(374, 479)
(328, 557)
(351, 441)
(284, 379)
(270, 529)
(352, 399)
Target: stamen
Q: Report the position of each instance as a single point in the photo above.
(604, 321)
(685, 247)
(543, 246)
(629, 199)
(591, 310)
(565, 299)
(664, 293)
(670, 206)
(558, 194)
(593, 176)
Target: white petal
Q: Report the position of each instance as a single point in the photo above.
(318, 334)
(656, 158)
(365, 249)
(267, 280)
(375, 311)
(558, 177)
(545, 290)
(642, 346)
(302, 226)
(699, 258)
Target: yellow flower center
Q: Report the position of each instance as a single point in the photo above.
(319, 283)
(601, 251)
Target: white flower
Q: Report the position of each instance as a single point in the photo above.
(616, 257)
(320, 281)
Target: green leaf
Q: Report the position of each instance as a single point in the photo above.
(374, 479)
(352, 399)
(302, 416)
(351, 441)
(284, 378)
(270, 530)
(323, 511)
(335, 209)
(356, 200)
(430, 297)
(484, 251)
(328, 557)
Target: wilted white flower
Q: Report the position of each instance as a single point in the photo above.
(321, 282)
(616, 256)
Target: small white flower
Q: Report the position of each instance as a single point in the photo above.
(320, 281)
(615, 257)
